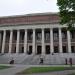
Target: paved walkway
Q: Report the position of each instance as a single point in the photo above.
(17, 68)
(13, 70)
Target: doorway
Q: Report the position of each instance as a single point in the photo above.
(47, 49)
(39, 49)
(30, 50)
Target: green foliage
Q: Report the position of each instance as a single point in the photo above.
(67, 12)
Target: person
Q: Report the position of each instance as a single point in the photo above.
(41, 60)
(12, 61)
(70, 61)
(66, 61)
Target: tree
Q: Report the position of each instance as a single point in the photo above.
(67, 12)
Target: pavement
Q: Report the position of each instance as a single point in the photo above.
(18, 68)
(12, 71)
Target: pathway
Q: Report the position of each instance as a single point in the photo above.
(17, 68)
(13, 70)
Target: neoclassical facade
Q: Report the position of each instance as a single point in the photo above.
(35, 34)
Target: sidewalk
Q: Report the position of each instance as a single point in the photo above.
(18, 68)
(13, 70)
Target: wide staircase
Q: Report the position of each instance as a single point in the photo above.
(50, 59)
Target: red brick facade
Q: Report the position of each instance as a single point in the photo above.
(30, 19)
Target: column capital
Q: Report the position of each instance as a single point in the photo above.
(18, 29)
(59, 28)
(4, 30)
(43, 28)
(51, 28)
(33, 29)
(11, 30)
(25, 30)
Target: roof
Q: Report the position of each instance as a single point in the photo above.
(30, 19)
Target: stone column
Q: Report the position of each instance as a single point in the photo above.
(43, 42)
(3, 42)
(34, 41)
(17, 41)
(51, 40)
(25, 41)
(60, 41)
(0, 39)
(69, 41)
(10, 41)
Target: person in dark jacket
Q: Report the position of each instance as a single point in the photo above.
(41, 60)
(70, 61)
(66, 61)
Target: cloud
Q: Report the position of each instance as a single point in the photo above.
(16, 7)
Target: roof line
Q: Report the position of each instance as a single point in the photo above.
(31, 14)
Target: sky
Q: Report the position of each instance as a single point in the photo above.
(21, 7)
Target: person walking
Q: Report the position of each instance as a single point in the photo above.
(70, 61)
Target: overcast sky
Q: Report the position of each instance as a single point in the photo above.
(19, 7)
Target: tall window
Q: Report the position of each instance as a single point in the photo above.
(47, 36)
(30, 36)
(22, 36)
(55, 36)
(72, 49)
(72, 35)
(56, 49)
(39, 36)
(64, 35)
(64, 49)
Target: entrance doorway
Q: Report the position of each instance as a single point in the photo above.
(56, 49)
(39, 50)
(47, 49)
(30, 50)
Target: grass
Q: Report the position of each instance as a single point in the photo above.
(4, 67)
(44, 69)
(72, 74)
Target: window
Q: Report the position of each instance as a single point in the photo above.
(64, 35)
(47, 49)
(39, 37)
(30, 36)
(14, 51)
(72, 49)
(47, 36)
(64, 49)
(22, 36)
(72, 35)
(55, 36)
(56, 49)
(22, 50)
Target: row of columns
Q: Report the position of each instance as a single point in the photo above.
(43, 41)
